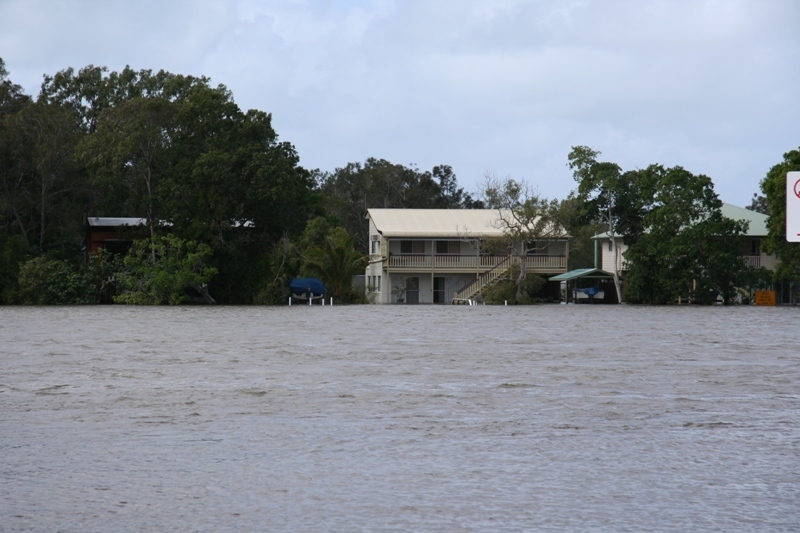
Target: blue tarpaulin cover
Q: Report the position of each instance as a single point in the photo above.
(589, 291)
(299, 286)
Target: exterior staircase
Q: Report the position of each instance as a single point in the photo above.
(467, 293)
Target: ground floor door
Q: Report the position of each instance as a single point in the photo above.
(439, 294)
(412, 290)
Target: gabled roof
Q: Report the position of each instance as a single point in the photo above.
(594, 273)
(757, 221)
(441, 223)
(116, 221)
(606, 235)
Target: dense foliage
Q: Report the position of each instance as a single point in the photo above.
(178, 152)
(231, 215)
(351, 190)
(679, 243)
(774, 188)
(687, 248)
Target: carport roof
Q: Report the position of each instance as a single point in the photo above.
(595, 273)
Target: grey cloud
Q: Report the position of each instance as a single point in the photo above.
(503, 86)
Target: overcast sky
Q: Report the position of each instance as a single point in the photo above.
(504, 87)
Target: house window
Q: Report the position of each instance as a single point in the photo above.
(755, 247)
(538, 248)
(412, 247)
(379, 284)
(448, 247)
(376, 247)
(609, 246)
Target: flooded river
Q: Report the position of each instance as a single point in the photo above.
(400, 418)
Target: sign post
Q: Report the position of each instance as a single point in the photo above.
(765, 298)
(793, 206)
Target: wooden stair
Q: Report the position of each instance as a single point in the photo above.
(466, 294)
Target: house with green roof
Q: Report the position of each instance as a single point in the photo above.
(752, 252)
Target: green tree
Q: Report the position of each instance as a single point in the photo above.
(774, 188)
(176, 149)
(45, 281)
(615, 198)
(525, 218)
(127, 155)
(12, 99)
(102, 270)
(687, 248)
(335, 261)
(42, 184)
(13, 253)
(575, 217)
(178, 270)
(759, 204)
(349, 191)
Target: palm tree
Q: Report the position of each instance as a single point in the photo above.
(335, 262)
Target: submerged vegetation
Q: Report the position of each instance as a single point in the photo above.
(231, 215)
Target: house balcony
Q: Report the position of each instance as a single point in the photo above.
(545, 264)
(753, 261)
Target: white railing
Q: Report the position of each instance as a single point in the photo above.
(753, 261)
(749, 260)
(545, 263)
(534, 263)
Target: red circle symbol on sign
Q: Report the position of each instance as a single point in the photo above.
(797, 188)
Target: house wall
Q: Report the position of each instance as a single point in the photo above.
(451, 284)
(607, 257)
(752, 252)
(769, 261)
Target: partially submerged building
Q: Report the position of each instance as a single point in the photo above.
(443, 256)
(752, 252)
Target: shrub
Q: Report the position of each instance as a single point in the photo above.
(44, 281)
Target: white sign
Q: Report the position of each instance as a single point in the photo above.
(793, 206)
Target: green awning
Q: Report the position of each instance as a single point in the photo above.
(591, 273)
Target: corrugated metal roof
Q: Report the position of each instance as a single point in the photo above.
(758, 221)
(582, 273)
(116, 221)
(757, 227)
(437, 223)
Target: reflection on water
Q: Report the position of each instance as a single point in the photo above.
(399, 418)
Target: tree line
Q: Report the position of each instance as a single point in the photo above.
(231, 214)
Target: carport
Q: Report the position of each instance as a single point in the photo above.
(585, 284)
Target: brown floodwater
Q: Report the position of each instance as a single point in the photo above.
(399, 418)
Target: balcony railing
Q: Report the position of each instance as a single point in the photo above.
(749, 260)
(545, 263)
(753, 261)
(534, 263)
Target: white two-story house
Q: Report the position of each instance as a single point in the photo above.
(752, 253)
(445, 255)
